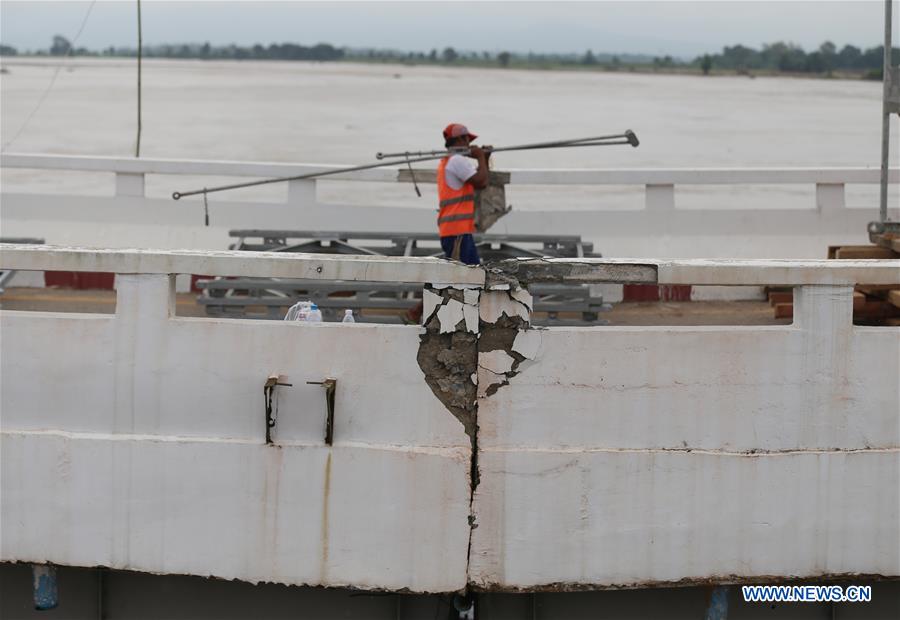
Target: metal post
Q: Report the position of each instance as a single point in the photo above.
(137, 149)
(886, 111)
(718, 604)
(45, 591)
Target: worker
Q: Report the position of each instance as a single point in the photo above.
(458, 176)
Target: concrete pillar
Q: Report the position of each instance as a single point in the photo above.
(830, 196)
(145, 296)
(143, 302)
(659, 197)
(302, 193)
(824, 314)
(130, 184)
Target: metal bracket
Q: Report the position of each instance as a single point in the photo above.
(205, 208)
(268, 394)
(880, 233)
(330, 386)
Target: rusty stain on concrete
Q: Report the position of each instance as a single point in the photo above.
(715, 580)
(326, 499)
(541, 270)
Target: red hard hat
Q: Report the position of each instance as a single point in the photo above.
(455, 130)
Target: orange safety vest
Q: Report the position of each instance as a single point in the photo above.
(457, 213)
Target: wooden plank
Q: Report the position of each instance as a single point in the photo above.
(777, 289)
(784, 311)
(885, 240)
(781, 297)
(876, 290)
(894, 297)
(859, 300)
(895, 244)
(875, 310)
(849, 252)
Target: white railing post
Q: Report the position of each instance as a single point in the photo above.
(830, 196)
(825, 314)
(144, 302)
(302, 193)
(659, 197)
(130, 184)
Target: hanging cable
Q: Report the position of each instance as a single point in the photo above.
(55, 75)
(412, 174)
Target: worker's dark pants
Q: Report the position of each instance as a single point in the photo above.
(468, 253)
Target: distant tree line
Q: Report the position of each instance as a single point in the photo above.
(276, 51)
(789, 58)
(777, 57)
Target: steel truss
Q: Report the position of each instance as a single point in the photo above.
(268, 298)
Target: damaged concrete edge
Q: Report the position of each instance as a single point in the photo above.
(209, 576)
(492, 587)
(687, 582)
(474, 341)
(448, 349)
(547, 270)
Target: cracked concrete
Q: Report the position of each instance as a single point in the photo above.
(554, 271)
(475, 341)
(448, 351)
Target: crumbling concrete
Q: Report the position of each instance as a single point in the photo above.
(498, 360)
(448, 350)
(535, 270)
(475, 341)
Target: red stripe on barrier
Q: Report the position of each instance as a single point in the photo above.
(80, 279)
(654, 292)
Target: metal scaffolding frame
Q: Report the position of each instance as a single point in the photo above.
(268, 298)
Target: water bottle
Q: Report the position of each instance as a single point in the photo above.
(348, 316)
(315, 315)
(298, 312)
(293, 313)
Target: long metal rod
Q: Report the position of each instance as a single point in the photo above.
(626, 138)
(885, 112)
(561, 146)
(137, 148)
(299, 177)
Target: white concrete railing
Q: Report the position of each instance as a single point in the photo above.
(659, 228)
(635, 456)
(145, 449)
(609, 456)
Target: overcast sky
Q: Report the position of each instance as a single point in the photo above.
(679, 28)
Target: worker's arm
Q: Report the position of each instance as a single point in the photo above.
(480, 179)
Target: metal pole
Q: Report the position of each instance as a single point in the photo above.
(137, 148)
(311, 175)
(627, 138)
(885, 112)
